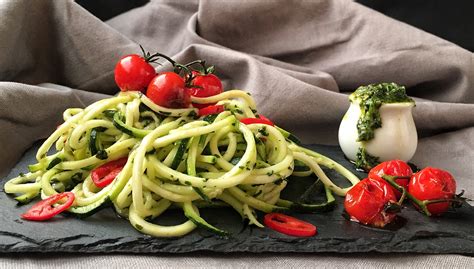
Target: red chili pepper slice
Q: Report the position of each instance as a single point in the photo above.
(210, 110)
(261, 119)
(45, 209)
(106, 173)
(289, 225)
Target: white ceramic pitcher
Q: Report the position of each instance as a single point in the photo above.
(396, 139)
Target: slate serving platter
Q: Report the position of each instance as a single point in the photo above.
(106, 233)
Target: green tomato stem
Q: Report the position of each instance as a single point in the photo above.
(421, 204)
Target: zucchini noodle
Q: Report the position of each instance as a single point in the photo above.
(176, 160)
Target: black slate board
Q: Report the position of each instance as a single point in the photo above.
(105, 232)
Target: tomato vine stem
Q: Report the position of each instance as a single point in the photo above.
(421, 204)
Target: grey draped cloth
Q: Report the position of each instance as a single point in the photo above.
(299, 60)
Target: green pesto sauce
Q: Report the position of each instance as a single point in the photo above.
(364, 160)
(370, 98)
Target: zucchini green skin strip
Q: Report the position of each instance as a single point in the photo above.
(90, 209)
(191, 165)
(289, 136)
(43, 163)
(329, 205)
(26, 197)
(94, 143)
(53, 163)
(191, 213)
(135, 132)
(78, 140)
(182, 145)
(192, 154)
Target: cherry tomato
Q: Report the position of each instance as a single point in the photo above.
(106, 173)
(205, 86)
(393, 168)
(289, 225)
(44, 210)
(168, 90)
(367, 202)
(210, 110)
(133, 73)
(261, 119)
(433, 184)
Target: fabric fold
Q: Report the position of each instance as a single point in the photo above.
(298, 60)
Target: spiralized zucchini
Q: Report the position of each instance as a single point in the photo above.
(175, 159)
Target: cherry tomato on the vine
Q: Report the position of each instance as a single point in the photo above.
(368, 200)
(433, 184)
(393, 168)
(168, 90)
(205, 86)
(133, 73)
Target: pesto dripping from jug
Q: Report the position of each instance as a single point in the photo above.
(378, 126)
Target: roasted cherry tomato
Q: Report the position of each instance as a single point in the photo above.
(210, 110)
(133, 73)
(205, 86)
(261, 119)
(289, 225)
(168, 90)
(433, 184)
(45, 209)
(106, 173)
(393, 168)
(367, 202)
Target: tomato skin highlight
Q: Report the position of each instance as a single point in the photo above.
(289, 225)
(168, 90)
(133, 73)
(393, 168)
(44, 210)
(432, 184)
(210, 110)
(366, 202)
(105, 174)
(204, 86)
(261, 120)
